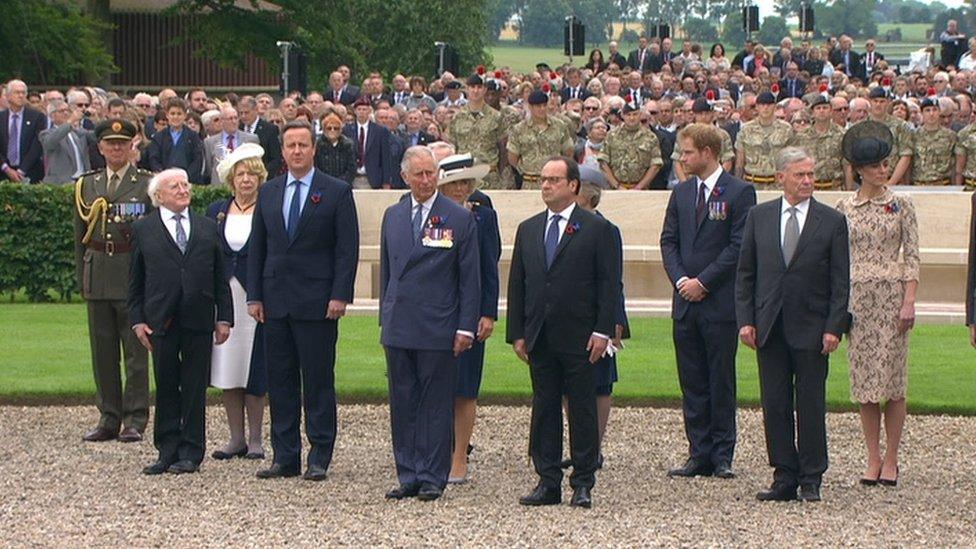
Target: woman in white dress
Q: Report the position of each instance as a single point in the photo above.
(238, 366)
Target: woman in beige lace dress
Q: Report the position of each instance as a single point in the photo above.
(884, 277)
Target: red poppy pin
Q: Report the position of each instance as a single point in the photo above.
(717, 191)
(886, 82)
(316, 197)
(572, 228)
(823, 88)
(891, 208)
(710, 95)
(774, 89)
(930, 92)
(553, 76)
(435, 221)
(546, 88)
(480, 70)
(498, 74)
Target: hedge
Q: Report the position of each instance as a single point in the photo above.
(36, 238)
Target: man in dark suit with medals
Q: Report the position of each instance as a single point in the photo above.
(107, 201)
(700, 246)
(563, 292)
(792, 286)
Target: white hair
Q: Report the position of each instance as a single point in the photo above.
(15, 82)
(414, 152)
(209, 116)
(73, 95)
(54, 105)
(790, 155)
(162, 177)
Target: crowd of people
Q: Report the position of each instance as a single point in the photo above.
(248, 297)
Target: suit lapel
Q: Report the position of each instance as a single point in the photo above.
(125, 183)
(277, 190)
(567, 234)
(194, 235)
(310, 203)
(175, 253)
(400, 235)
(713, 196)
(810, 227)
(774, 237)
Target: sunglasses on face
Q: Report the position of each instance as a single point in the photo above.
(332, 128)
(591, 108)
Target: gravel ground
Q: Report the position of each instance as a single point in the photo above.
(57, 491)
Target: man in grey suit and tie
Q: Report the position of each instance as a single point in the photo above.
(219, 145)
(791, 295)
(430, 294)
(65, 144)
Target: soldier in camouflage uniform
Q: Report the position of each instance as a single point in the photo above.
(107, 201)
(823, 140)
(511, 116)
(532, 142)
(965, 151)
(758, 143)
(477, 129)
(933, 163)
(900, 159)
(631, 153)
(704, 114)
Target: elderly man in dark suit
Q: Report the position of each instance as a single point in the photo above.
(21, 153)
(179, 304)
(302, 259)
(250, 122)
(791, 294)
(372, 141)
(700, 246)
(563, 292)
(430, 296)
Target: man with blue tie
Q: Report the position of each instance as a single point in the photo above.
(303, 254)
(700, 246)
(791, 85)
(430, 296)
(21, 153)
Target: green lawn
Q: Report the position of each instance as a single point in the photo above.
(46, 358)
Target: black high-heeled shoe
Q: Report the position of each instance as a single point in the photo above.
(890, 481)
(870, 481)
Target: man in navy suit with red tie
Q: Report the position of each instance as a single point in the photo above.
(700, 245)
(303, 254)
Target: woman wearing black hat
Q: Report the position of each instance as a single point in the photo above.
(882, 226)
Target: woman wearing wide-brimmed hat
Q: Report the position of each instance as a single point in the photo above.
(238, 366)
(884, 277)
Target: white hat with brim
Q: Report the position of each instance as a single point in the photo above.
(243, 152)
(460, 167)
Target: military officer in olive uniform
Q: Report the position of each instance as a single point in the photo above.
(107, 201)
(533, 142)
(704, 113)
(478, 129)
(823, 140)
(965, 151)
(933, 162)
(758, 143)
(900, 159)
(631, 153)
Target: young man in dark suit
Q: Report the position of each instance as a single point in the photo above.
(179, 305)
(177, 146)
(21, 153)
(430, 297)
(302, 257)
(792, 286)
(563, 291)
(700, 246)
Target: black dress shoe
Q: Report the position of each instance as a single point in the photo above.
(542, 495)
(156, 468)
(403, 491)
(581, 498)
(723, 470)
(130, 434)
(254, 455)
(100, 434)
(809, 492)
(429, 492)
(565, 464)
(222, 455)
(277, 470)
(691, 468)
(778, 492)
(315, 473)
(183, 466)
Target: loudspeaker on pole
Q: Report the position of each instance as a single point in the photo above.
(806, 18)
(750, 18)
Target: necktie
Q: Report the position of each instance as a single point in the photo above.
(418, 219)
(13, 141)
(362, 147)
(230, 143)
(791, 236)
(335, 96)
(113, 185)
(294, 210)
(640, 61)
(700, 204)
(552, 239)
(180, 233)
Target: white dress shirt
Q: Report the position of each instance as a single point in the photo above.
(170, 222)
(801, 216)
(563, 221)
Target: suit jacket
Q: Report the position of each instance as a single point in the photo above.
(864, 62)
(583, 93)
(798, 90)
(428, 294)
(381, 97)
(346, 97)
(161, 146)
(60, 156)
(213, 144)
(971, 267)
(708, 251)
(576, 296)
(490, 251)
(32, 123)
(378, 162)
(617, 58)
(298, 278)
(167, 286)
(856, 65)
(423, 138)
(811, 292)
(666, 139)
(633, 60)
(268, 139)
(235, 262)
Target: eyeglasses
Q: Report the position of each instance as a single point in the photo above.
(839, 109)
(83, 105)
(591, 108)
(332, 128)
(556, 179)
(653, 112)
(144, 105)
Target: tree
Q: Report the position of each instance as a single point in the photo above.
(772, 30)
(542, 22)
(789, 8)
(851, 17)
(700, 30)
(43, 42)
(499, 12)
(732, 34)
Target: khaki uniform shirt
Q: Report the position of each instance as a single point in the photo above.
(630, 153)
(966, 146)
(534, 144)
(826, 150)
(934, 155)
(761, 144)
(478, 133)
